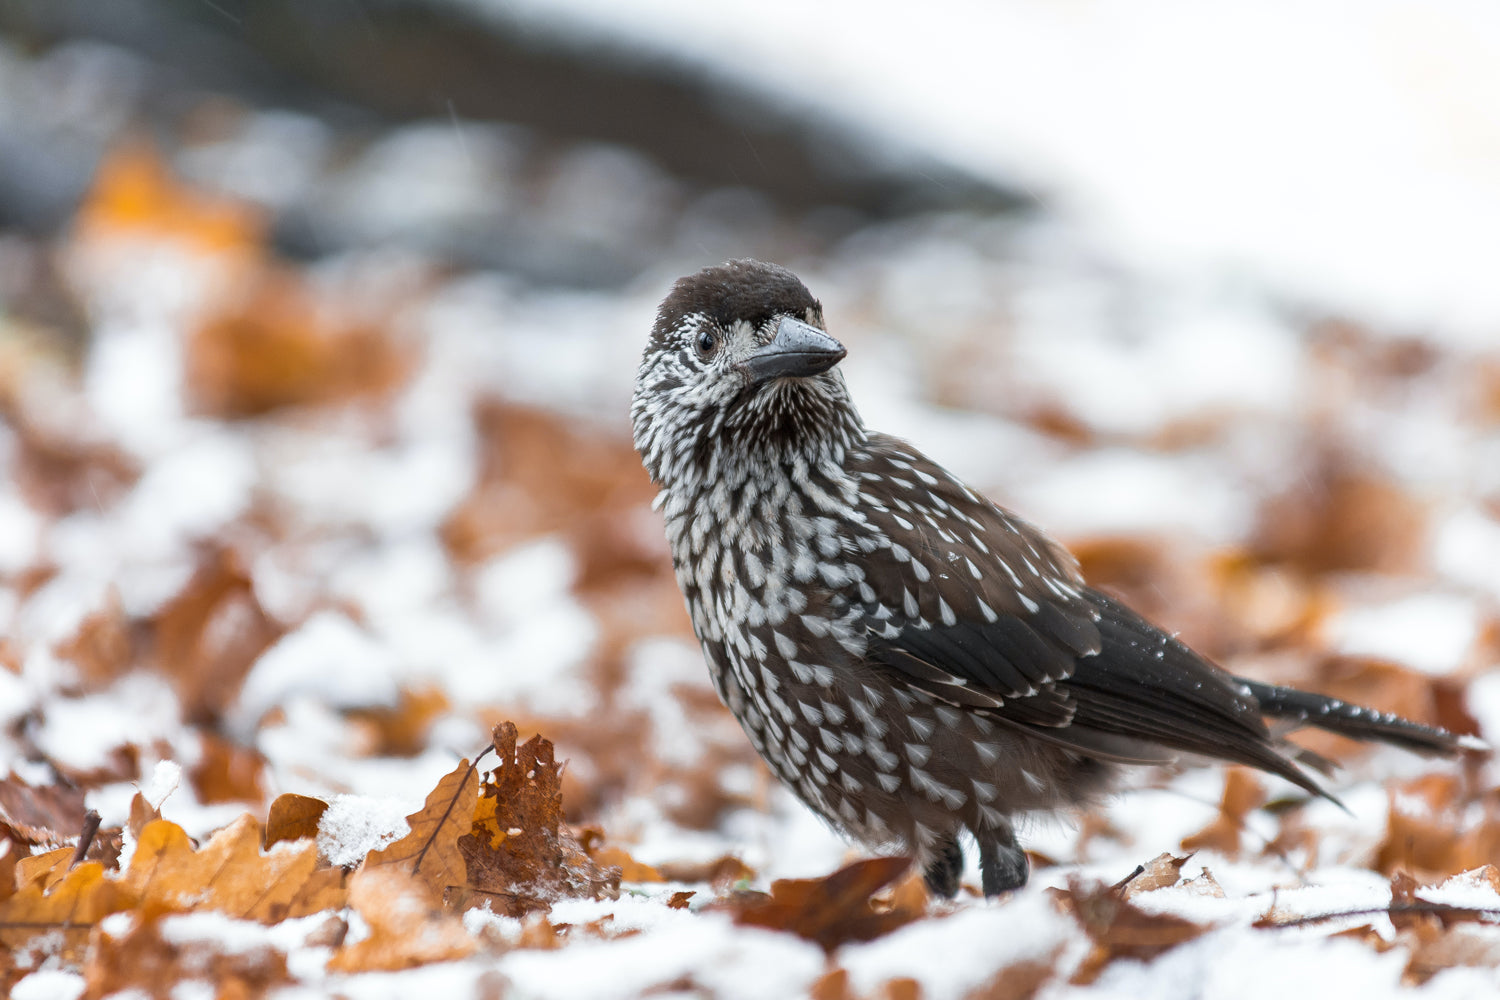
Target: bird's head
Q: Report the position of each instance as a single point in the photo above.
(738, 367)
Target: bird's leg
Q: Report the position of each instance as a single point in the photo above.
(1002, 863)
(947, 865)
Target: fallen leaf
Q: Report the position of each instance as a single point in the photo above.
(1243, 794)
(430, 851)
(229, 874)
(401, 730)
(409, 925)
(134, 194)
(1119, 929)
(1161, 872)
(103, 645)
(631, 870)
(834, 910)
(277, 341)
(519, 854)
(294, 817)
(227, 772)
(1433, 830)
(44, 814)
(72, 905)
(721, 872)
(144, 962)
(209, 635)
(1021, 981)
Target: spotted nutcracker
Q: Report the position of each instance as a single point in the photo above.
(910, 659)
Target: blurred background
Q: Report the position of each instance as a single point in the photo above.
(319, 319)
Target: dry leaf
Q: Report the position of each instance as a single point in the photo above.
(133, 195)
(401, 730)
(834, 910)
(1340, 517)
(1243, 794)
(721, 873)
(70, 907)
(1432, 829)
(409, 925)
(1119, 929)
(294, 817)
(430, 851)
(279, 342)
(103, 646)
(519, 854)
(227, 772)
(40, 815)
(1161, 872)
(631, 870)
(144, 962)
(229, 874)
(208, 636)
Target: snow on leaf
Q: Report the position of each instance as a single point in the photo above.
(146, 960)
(1161, 872)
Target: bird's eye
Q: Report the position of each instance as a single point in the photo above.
(706, 344)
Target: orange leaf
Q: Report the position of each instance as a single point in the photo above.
(229, 874)
(409, 925)
(133, 194)
(430, 850)
(74, 903)
(631, 870)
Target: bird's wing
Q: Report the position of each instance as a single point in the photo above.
(977, 607)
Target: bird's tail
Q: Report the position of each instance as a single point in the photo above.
(1356, 721)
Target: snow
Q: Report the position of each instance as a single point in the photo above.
(49, 984)
(1226, 965)
(354, 825)
(330, 658)
(726, 961)
(1431, 632)
(953, 955)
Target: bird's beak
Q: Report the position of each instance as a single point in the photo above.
(798, 351)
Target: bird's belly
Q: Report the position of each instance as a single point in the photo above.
(880, 762)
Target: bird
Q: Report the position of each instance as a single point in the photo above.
(918, 665)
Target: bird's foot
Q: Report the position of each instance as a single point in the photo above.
(1002, 867)
(944, 870)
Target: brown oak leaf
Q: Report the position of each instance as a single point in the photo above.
(838, 908)
(1120, 929)
(520, 855)
(430, 851)
(294, 817)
